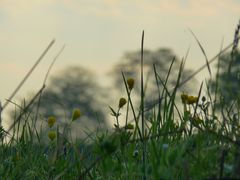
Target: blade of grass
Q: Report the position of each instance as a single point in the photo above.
(131, 104)
(168, 74)
(28, 74)
(201, 68)
(234, 48)
(171, 103)
(53, 62)
(167, 93)
(203, 51)
(0, 114)
(44, 84)
(199, 94)
(25, 109)
(142, 112)
(205, 65)
(159, 117)
(217, 78)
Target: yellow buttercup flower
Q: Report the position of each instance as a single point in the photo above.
(76, 114)
(188, 99)
(122, 102)
(51, 121)
(184, 98)
(130, 83)
(52, 135)
(192, 99)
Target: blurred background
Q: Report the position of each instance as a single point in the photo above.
(101, 37)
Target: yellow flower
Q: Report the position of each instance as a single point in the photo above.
(122, 102)
(52, 135)
(76, 114)
(192, 99)
(51, 121)
(130, 83)
(188, 99)
(184, 98)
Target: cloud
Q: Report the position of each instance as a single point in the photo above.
(172, 7)
(125, 7)
(203, 8)
(122, 9)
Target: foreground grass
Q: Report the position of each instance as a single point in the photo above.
(193, 147)
(192, 144)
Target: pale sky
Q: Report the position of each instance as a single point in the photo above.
(98, 32)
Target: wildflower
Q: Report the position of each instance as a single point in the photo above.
(76, 114)
(188, 99)
(130, 83)
(51, 121)
(122, 102)
(184, 98)
(192, 99)
(51, 135)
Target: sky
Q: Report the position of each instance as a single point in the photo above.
(98, 32)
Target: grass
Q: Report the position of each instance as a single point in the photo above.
(192, 139)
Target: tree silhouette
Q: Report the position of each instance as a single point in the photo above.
(161, 58)
(74, 87)
(228, 80)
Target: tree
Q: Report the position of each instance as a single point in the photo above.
(161, 58)
(228, 81)
(74, 87)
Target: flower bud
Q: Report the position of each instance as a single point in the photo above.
(130, 83)
(51, 135)
(76, 114)
(122, 102)
(51, 121)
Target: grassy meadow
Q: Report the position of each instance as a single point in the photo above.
(196, 138)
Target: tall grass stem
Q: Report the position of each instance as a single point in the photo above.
(142, 113)
(28, 74)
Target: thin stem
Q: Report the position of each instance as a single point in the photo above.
(142, 113)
